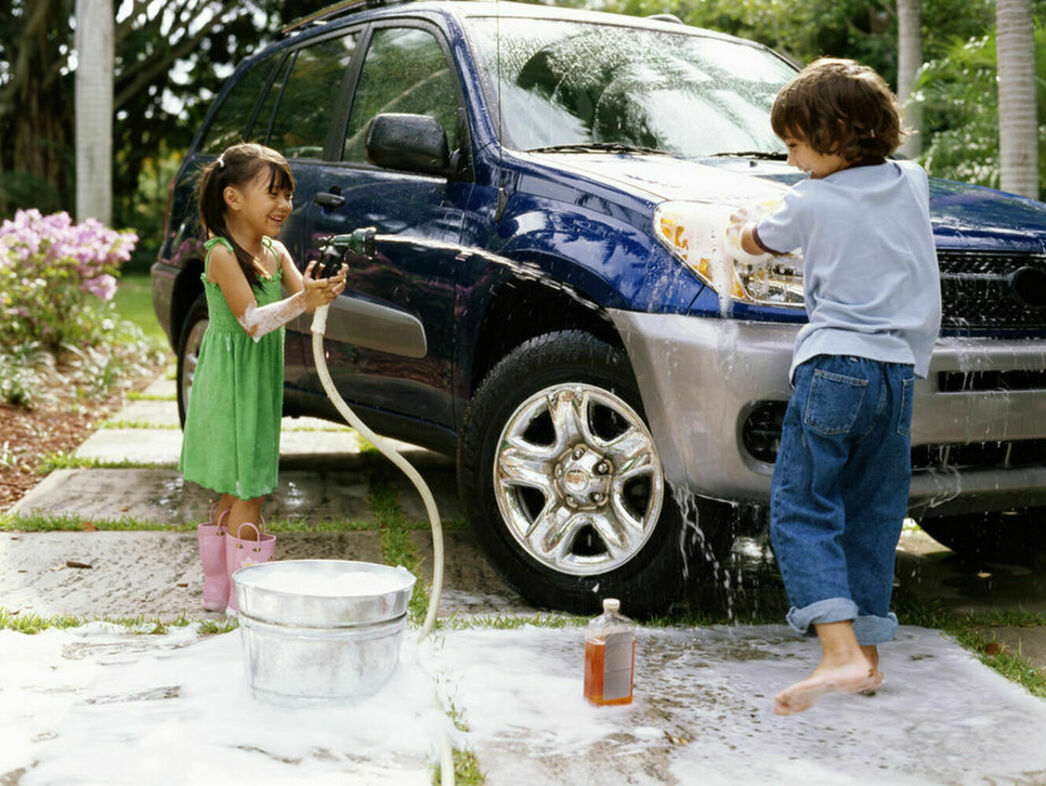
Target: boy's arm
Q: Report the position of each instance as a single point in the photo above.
(748, 240)
(751, 244)
(743, 237)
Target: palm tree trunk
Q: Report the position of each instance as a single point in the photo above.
(94, 110)
(909, 61)
(1018, 124)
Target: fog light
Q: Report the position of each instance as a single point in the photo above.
(761, 434)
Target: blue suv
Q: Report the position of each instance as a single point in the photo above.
(548, 301)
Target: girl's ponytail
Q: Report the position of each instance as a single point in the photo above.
(236, 166)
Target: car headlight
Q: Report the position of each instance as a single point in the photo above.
(695, 233)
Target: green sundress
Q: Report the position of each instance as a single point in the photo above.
(231, 441)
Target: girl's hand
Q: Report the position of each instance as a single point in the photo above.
(321, 291)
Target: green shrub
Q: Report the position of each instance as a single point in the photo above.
(59, 329)
(961, 98)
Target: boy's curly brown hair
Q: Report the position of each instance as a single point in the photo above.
(840, 107)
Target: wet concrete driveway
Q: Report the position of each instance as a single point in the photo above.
(702, 711)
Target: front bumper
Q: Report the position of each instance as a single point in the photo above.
(701, 378)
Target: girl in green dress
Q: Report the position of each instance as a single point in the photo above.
(232, 426)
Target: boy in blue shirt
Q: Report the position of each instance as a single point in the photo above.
(872, 291)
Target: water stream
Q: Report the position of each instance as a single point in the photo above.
(525, 271)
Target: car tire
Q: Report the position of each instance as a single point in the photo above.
(1017, 536)
(189, 342)
(563, 488)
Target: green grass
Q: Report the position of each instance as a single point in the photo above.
(973, 632)
(33, 623)
(466, 770)
(134, 302)
(513, 621)
(137, 424)
(136, 396)
(61, 460)
(42, 522)
(394, 530)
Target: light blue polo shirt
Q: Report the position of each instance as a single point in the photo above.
(870, 276)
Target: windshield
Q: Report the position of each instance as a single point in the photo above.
(578, 83)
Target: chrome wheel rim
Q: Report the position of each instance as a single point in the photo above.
(578, 480)
(192, 358)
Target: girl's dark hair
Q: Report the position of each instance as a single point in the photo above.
(839, 107)
(236, 166)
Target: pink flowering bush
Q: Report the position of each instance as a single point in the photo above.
(53, 273)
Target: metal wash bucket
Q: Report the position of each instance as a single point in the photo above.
(320, 631)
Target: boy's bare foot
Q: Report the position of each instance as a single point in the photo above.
(846, 678)
(877, 681)
(872, 653)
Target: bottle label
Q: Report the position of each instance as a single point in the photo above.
(617, 666)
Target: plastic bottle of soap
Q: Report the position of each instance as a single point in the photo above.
(610, 656)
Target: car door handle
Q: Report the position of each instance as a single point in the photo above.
(326, 199)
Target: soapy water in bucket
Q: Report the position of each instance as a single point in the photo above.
(333, 585)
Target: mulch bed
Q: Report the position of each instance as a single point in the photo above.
(27, 435)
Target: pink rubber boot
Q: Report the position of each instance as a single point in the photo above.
(241, 553)
(211, 537)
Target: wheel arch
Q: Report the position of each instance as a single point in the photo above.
(187, 288)
(521, 310)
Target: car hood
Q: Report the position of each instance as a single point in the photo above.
(963, 216)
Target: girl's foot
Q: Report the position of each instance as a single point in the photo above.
(846, 678)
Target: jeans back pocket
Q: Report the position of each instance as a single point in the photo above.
(834, 402)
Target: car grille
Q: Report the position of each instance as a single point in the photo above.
(975, 381)
(977, 293)
(761, 436)
(980, 455)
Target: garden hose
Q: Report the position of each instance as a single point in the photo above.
(319, 327)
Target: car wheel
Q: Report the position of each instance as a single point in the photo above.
(563, 485)
(193, 328)
(1017, 536)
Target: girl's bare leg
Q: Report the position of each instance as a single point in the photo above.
(224, 504)
(844, 667)
(242, 511)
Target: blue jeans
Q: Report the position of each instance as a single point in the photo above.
(840, 492)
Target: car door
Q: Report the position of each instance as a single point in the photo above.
(299, 114)
(390, 337)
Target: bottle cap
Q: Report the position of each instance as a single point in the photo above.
(611, 605)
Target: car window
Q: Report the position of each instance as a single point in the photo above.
(565, 82)
(305, 99)
(229, 125)
(405, 71)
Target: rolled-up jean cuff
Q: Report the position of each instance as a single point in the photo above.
(820, 613)
(875, 630)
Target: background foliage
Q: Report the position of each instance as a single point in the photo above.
(958, 89)
(173, 56)
(171, 59)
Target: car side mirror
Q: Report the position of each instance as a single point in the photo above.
(414, 143)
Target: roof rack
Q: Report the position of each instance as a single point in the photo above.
(341, 8)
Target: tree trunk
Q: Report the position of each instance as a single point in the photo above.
(94, 110)
(1018, 123)
(909, 61)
